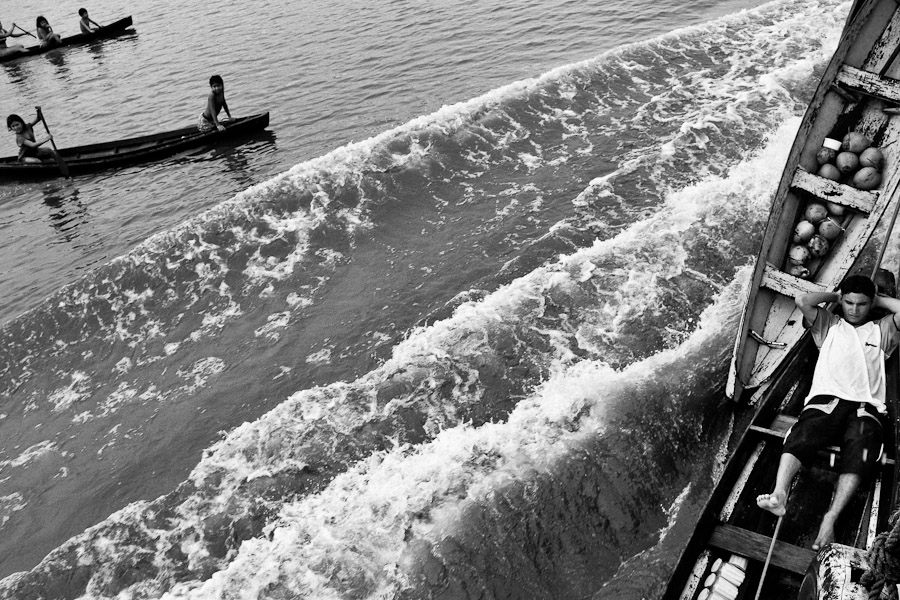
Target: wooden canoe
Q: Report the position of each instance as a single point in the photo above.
(107, 31)
(96, 157)
(859, 92)
(732, 528)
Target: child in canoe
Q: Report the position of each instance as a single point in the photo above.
(45, 33)
(6, 50)
(88, 25)
(215, 102)
(29, 147)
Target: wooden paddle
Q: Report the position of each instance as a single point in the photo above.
(63, 167)
(762, 578)
(24, 31)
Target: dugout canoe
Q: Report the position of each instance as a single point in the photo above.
(859, 92)
(113, 29)
(733, 530)
(142, 149)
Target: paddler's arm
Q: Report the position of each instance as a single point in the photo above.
(808, 303)
(892, 305)
(36, 143)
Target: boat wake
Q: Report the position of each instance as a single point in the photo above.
(483, 351)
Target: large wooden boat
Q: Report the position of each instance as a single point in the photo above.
(738, 550)
(96, 157)
(114, 29)
(858, 93)
(733, 530)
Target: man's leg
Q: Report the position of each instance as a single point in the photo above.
(859, 455)
(776, 501)
(846, 486)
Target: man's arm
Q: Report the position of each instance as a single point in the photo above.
(892, 305)
(807, 303)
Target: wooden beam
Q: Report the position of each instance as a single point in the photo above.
(869, 83)
(832, 191)
(788, 285)
(755, 546)
(779, 426)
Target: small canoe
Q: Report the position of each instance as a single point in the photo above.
(731, 549)
(107, 31)
(859, 95)
(142, 149)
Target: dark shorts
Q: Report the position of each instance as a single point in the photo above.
(858, 435)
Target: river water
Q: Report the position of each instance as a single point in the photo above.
(455, 326)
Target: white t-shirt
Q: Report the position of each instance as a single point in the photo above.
(851, 359)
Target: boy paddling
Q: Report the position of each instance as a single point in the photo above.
(87, 24)
(847, 396)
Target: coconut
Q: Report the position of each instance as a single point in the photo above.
(798, 271)
(818, 246)
(829, 171)
(798, 255)
(803, 232)
(815, 213)
(825, 155)
(871, 157)
(867, 178)
(847, 162)
(855, 142)
(829, 229)
(835, 209)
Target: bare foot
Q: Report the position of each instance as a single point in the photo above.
(826, 532)
(774, 503)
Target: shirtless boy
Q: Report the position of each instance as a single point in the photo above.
(215, 102)
(87, 24)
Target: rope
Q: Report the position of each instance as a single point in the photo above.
(884, 563)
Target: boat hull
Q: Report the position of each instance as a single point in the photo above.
(857, 93)
(113, 29)
(137, 150)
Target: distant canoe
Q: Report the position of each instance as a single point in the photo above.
(147, 148)
(107, 31)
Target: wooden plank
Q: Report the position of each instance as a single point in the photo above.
(832, 191)
(788, 285)
(880, 58)
(741, 483)
(869, 83)
(699, 570)
(778, 428)
(755, 546)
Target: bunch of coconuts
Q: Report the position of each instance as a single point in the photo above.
(819, 226)
(852, 161)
